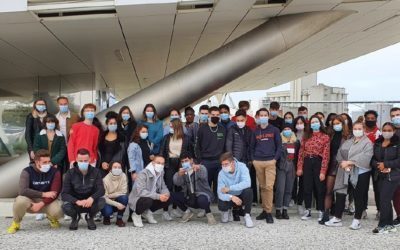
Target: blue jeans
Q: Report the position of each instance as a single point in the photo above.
(108, 210)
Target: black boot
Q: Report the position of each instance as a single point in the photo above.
(285, 215)
(262, 216)
(75, 222)
(235, 213)
(278, 215)
(269, 218)
(325, 217)
(90, 222)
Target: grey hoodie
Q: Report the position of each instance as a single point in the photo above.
(148, 184)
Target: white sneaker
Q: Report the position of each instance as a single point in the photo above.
(230, 216)
(148, 215)
(355, 225)
(248, 222)
(306, 215)
(67, 218)
(201, 214)
(40, 217)
(291, 203)
(187, 215)
(320, 215)
(137, 220)
(225, 217)
(166, 216)
(334, 222)
(176, 213)
(301, 210)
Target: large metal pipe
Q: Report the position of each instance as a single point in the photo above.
(227, 63)
(208, 73)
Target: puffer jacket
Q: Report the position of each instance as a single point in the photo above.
(238, 143)
(391, 158)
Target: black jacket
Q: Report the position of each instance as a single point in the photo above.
(390, 156)
(119, 152)
(238, 143)
(77, 186)
(186, 147)
(32, 127)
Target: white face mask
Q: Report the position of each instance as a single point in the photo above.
(158, 168)
(300, 127)
(45, 168)
(241, 124)
(358, 133)
(116, 171)
(387, 135)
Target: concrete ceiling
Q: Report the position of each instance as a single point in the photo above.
(139, 44)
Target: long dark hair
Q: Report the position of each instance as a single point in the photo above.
(345, 132)
(329, 118)
(349, 121)
(308, 132)
(394, 140)
(295, 123)
(131, 121)
(149, 105)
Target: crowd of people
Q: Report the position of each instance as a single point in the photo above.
(140, 165)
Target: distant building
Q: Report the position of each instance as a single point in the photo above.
(383, 110)
(305, 90)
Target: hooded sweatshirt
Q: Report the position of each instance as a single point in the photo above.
(114, 186)
(236, 181)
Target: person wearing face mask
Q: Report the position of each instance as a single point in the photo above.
(303, 112)
(150, 193)
(329, 118)
(116, 188)
(265, 151)
(126, 123)
(196, 193)
(250, 121)
(155, 126)
(174, 144)
(395, 116)
(84, 134)
(39, 187)
(225, 116)
(339, 133)
(210, 145)
(65, 116)
(298, 186)
(354, 158)
(289, 119)
(174, 114)
(386, 161)
(234, 189)
(111, 144)
(82, 191)
(190, 125)
(34, 124)
(274, 118)
(51, 139)
(313, 165)
(286, 172)
(238, 143)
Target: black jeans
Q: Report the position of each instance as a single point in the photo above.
(387, 189)
(375, 185)
(145, 203)
(360, 201)
(253, 177)
(202, 202)
(213, 167)
(246, 196)
(298, 190)
(74, 210)
(169, 172)
(312, 183)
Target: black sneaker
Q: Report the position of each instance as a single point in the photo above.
(278, 215)
(285, 215)
(262, 216)
(325, 218)
(90, 222)
(396, 222)
(269, 218)
(74, 223)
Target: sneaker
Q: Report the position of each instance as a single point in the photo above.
(14, 227)
(334, 222)
(230, 216)
(301, 210)
(90, 222)
(210, 219)
(278, 215)
(377, 216)
(137, 220)
(306, 215)
(187, 215)
(166, 216)
(53, 222)
(98, 217)
(201, 214)
(248, 221)
(106, 221)
(269, 218)
(384, 230)
(320, 216)
(40, 217)
(176, 213)
(364, 215)
(67, 218)
(225, 217)
(148, 215)
(396, 222)
(75, 222)
(325, 218)
(285, 215)
(120, 223)
(262, 216)
(355, 225)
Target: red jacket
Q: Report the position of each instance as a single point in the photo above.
(250, 122)
(85, 136)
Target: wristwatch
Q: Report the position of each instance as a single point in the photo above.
(230, 196)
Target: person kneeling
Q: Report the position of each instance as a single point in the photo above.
(196, 192)
(149, 193)
(234, 189)
(39, 187)
(116, 188)
(83, 191)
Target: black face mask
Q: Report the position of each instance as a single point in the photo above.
(215, 120)
(370, 124)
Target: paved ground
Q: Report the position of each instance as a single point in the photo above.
(291, 234)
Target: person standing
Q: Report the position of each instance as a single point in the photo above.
(274, 118)
(65, 116)
(225, 116)
(250, 121)
(155, 126)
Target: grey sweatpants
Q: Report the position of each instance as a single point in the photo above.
(285, 176)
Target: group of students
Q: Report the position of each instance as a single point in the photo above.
(148, 164)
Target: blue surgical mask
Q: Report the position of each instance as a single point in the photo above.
(396, 121)
(50, 126)
(83, 166)
(150, 115)
(173, 117)
(263, 120)
(63, 108)
(171, 130)
(112, 127)
(289, 121)
(40, 107)
(274, 113)
(186, 165)
(315, 126)
(203, 118)
(89, 115)
(338, 127)
(305, 116)
(126, 117)
(224, 116)
(45, 168)
(144, 135)
(287, 133)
